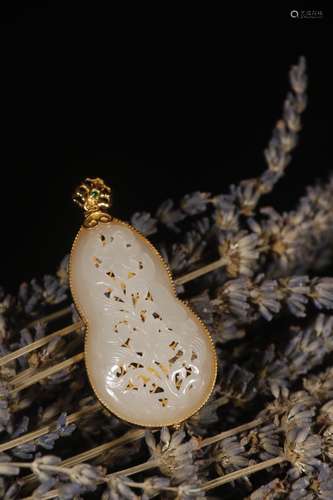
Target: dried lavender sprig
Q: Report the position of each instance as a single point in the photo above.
(320, 290)
(246, 471)
(129, 437)
(318, 335)
(317, 481)
(282, 243)
(51, 317)
(235, 384)
(39, 343)
(304, 351)
(314, 407)
(46, 373)
(170, 468)
(322, 484)
(48, 466)
(247, 299)
(283, 237)
(247, 194)
(299, 239)
(238, 296)
(52, 290)
(294, 291)
(162, 460)
(317, 199)
(151, 486)
(320, 386)
(315, 350)
(289, 423)
(183, 254)
(138, 434)
(293, 238)
(244, 198)
(28, 437)
(302, 447)
(229, 391)
(275, 370)
(169, 215)
(243, 301)
(294, 486)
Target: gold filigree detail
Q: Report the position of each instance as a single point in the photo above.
(94, 196)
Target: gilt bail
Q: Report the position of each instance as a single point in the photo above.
(94, 196)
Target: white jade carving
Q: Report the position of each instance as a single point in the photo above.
(149, 358)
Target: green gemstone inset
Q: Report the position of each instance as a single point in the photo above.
(94, 193)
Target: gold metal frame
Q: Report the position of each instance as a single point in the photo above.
(196, 318)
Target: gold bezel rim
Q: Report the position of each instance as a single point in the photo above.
(173, 287)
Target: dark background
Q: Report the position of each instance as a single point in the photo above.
(158, 103)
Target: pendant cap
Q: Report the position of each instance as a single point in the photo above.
(94, 196)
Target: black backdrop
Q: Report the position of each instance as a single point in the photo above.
(157, 103)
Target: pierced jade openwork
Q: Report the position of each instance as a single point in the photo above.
(150, 360)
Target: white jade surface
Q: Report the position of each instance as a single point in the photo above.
(149, 359)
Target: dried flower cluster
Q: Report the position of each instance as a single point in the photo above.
(262, 286)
